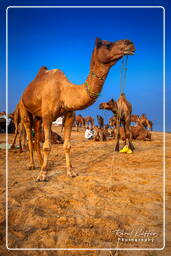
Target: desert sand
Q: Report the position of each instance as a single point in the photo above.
(116, 197)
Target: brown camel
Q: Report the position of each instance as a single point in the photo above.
(100, 121)
(134, 118)
(122, 110)
(112, 121)
(51, 95)
(79, 121)
(19, 130)
(89, 121)
(140, 133)
(55, 137)
(145, 122)
(99, 134)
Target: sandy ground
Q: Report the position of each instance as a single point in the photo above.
(116, 196)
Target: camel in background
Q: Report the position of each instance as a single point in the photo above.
(145, 122)
(122, 109)
(51, 95)
(89, 121)
(112, 121)
(100, 121)
(99, 134)
(134, 118)
(19, 130)
(79, 121)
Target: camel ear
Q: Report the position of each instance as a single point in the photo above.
(98, 42)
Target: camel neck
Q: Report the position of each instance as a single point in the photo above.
(95, 80)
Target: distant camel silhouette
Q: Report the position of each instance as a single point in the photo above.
(100, 121)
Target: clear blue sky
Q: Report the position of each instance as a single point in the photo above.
(64, 39)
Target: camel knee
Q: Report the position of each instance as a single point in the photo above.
(47, 146)
(67, 147)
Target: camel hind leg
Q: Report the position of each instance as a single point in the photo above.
(117, 135)
(129, 136)
(37, 126)
(15, 137)
(69, 120)
(28, 128)
(47, 123)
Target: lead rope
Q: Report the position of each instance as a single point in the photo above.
(124, 68)
(123, 71)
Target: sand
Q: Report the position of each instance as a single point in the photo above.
(115, 198)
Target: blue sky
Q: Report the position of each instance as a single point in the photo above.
(64, 39)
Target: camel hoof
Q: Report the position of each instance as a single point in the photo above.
(72, 174)
(42, 177)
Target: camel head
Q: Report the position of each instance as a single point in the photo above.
(110, 105)
(109, 52)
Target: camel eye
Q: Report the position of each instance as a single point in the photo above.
(108, 46)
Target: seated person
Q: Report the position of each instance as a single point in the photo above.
(89, 133)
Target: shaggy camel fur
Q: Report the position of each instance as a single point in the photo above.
(89, 121)
(100, 121)
(122, 109)
(51, 95)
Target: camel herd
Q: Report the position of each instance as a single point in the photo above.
(51, 95)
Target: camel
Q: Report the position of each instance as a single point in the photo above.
(150, 125)
(139, 132)
(112, 121)
(21, 133)
(55, 137)
(99, 134)
(122, 110)
(134, 118)
(51, 95)
(145, 122)
(80, 121)
(100, 121)
(89, 121)
(19, 130)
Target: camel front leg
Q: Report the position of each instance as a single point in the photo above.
(129, 136)
(27, 126)
(70, 117)
(15, 137)
(37, 126)
(46, 150)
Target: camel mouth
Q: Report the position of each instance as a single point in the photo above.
(129, 51)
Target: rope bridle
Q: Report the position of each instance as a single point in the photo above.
(93, 95)
(123, 71)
